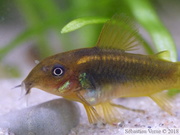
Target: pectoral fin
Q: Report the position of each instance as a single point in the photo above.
(163, 100)
(92, 114)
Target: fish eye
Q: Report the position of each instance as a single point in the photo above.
(58, 70)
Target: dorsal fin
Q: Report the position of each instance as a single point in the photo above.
(118, 33)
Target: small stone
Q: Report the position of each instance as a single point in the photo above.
(137, 120)
(55, 117)
(161, 124)
(121, 124)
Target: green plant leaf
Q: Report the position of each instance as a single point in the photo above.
(78, 23)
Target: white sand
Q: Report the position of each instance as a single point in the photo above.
(153, 118)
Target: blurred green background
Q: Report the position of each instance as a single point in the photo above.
(31, 29)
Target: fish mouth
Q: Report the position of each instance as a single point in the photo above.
(27, 87)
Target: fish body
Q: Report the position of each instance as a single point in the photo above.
(108, 74)
(95, 76)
